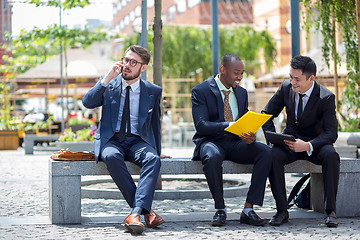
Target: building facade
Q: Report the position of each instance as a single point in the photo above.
(127, 13)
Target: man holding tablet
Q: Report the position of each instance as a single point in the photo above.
(311, 119)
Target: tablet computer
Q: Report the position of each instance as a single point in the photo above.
(278, 138)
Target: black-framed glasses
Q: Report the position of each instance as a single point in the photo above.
(132, 62)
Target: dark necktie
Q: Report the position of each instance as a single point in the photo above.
(227, 109)
(300, 107)
(125, 119)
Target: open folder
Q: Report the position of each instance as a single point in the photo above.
(249, 122)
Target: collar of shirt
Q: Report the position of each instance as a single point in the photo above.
(309, 91)
(221, 85)
(133, 86)
(232, 97)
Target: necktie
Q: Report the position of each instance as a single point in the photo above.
(300, 106)
(125, 119)
(227, 109)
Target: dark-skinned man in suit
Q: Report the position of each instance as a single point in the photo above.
(217, 103)
(311, 119)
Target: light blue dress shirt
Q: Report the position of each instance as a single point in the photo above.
(134, 105)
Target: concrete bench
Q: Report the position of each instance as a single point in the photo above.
(65, 182)
(30, 139)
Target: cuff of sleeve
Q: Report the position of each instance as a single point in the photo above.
(311, 149)
(102, 83)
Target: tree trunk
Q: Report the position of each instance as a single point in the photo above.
(358, 26)
(157, 41)
(358, 34)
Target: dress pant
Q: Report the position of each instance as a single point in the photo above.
(135, 150)
(325, 156)
(213, 153)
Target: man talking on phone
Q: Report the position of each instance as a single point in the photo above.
(311, 119)
(129, 130)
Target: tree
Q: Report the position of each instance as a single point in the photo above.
(333, 13)
(187, 50)
(34, 47)
(157, 41)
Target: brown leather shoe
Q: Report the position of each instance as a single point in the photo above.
(153, 220)
(133, 224)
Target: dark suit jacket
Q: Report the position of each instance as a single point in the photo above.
(208, 111)
(109, 98)
(318, 123)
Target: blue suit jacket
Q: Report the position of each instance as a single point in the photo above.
(109, 98)
(208, 111)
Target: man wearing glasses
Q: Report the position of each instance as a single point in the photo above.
(129, 129)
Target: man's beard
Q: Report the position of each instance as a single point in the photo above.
(129, 78)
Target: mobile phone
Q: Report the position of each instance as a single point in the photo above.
(121, 68)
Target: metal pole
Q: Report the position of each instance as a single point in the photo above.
(215, 36)
(61, 78)
(295, 27)
(143, 36)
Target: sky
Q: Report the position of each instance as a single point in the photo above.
(27, 16)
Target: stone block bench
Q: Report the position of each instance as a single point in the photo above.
(30, 139)
(65, 183)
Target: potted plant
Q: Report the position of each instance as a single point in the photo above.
(81, 140)
(77, 124)
(9, 136)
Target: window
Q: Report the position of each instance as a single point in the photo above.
(126, 20)
(150, 3)
(138, 11)
(181, 6)
(192, 3)
(171, 12)
(132, 15)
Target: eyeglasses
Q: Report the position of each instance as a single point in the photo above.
(132, 62)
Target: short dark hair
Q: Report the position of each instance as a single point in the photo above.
(305, 64)
(229, 57)
(141, 51)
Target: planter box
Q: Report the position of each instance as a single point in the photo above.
(76, 146)
(77, 127)
(9, 140)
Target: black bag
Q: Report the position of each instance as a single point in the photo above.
(302, 200)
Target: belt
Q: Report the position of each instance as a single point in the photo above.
(117, 134)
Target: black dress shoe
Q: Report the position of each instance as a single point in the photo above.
(252, 219)
(279, 218)
(219, 218)
(331, 220)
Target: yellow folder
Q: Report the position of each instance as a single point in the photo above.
(249, 122)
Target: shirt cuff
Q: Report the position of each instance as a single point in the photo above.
(102, 82)
(311, 149)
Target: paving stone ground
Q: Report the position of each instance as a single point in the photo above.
(24, 208)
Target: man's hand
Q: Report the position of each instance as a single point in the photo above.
(114, 71)
(162, 156)
(297, 146)
(248, 138)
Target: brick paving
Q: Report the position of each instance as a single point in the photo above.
(24, 208)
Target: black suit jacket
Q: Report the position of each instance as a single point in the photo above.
(318, 123)
(208, 111)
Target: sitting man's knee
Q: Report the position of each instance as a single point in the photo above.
(212, 159)
(109, 156)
